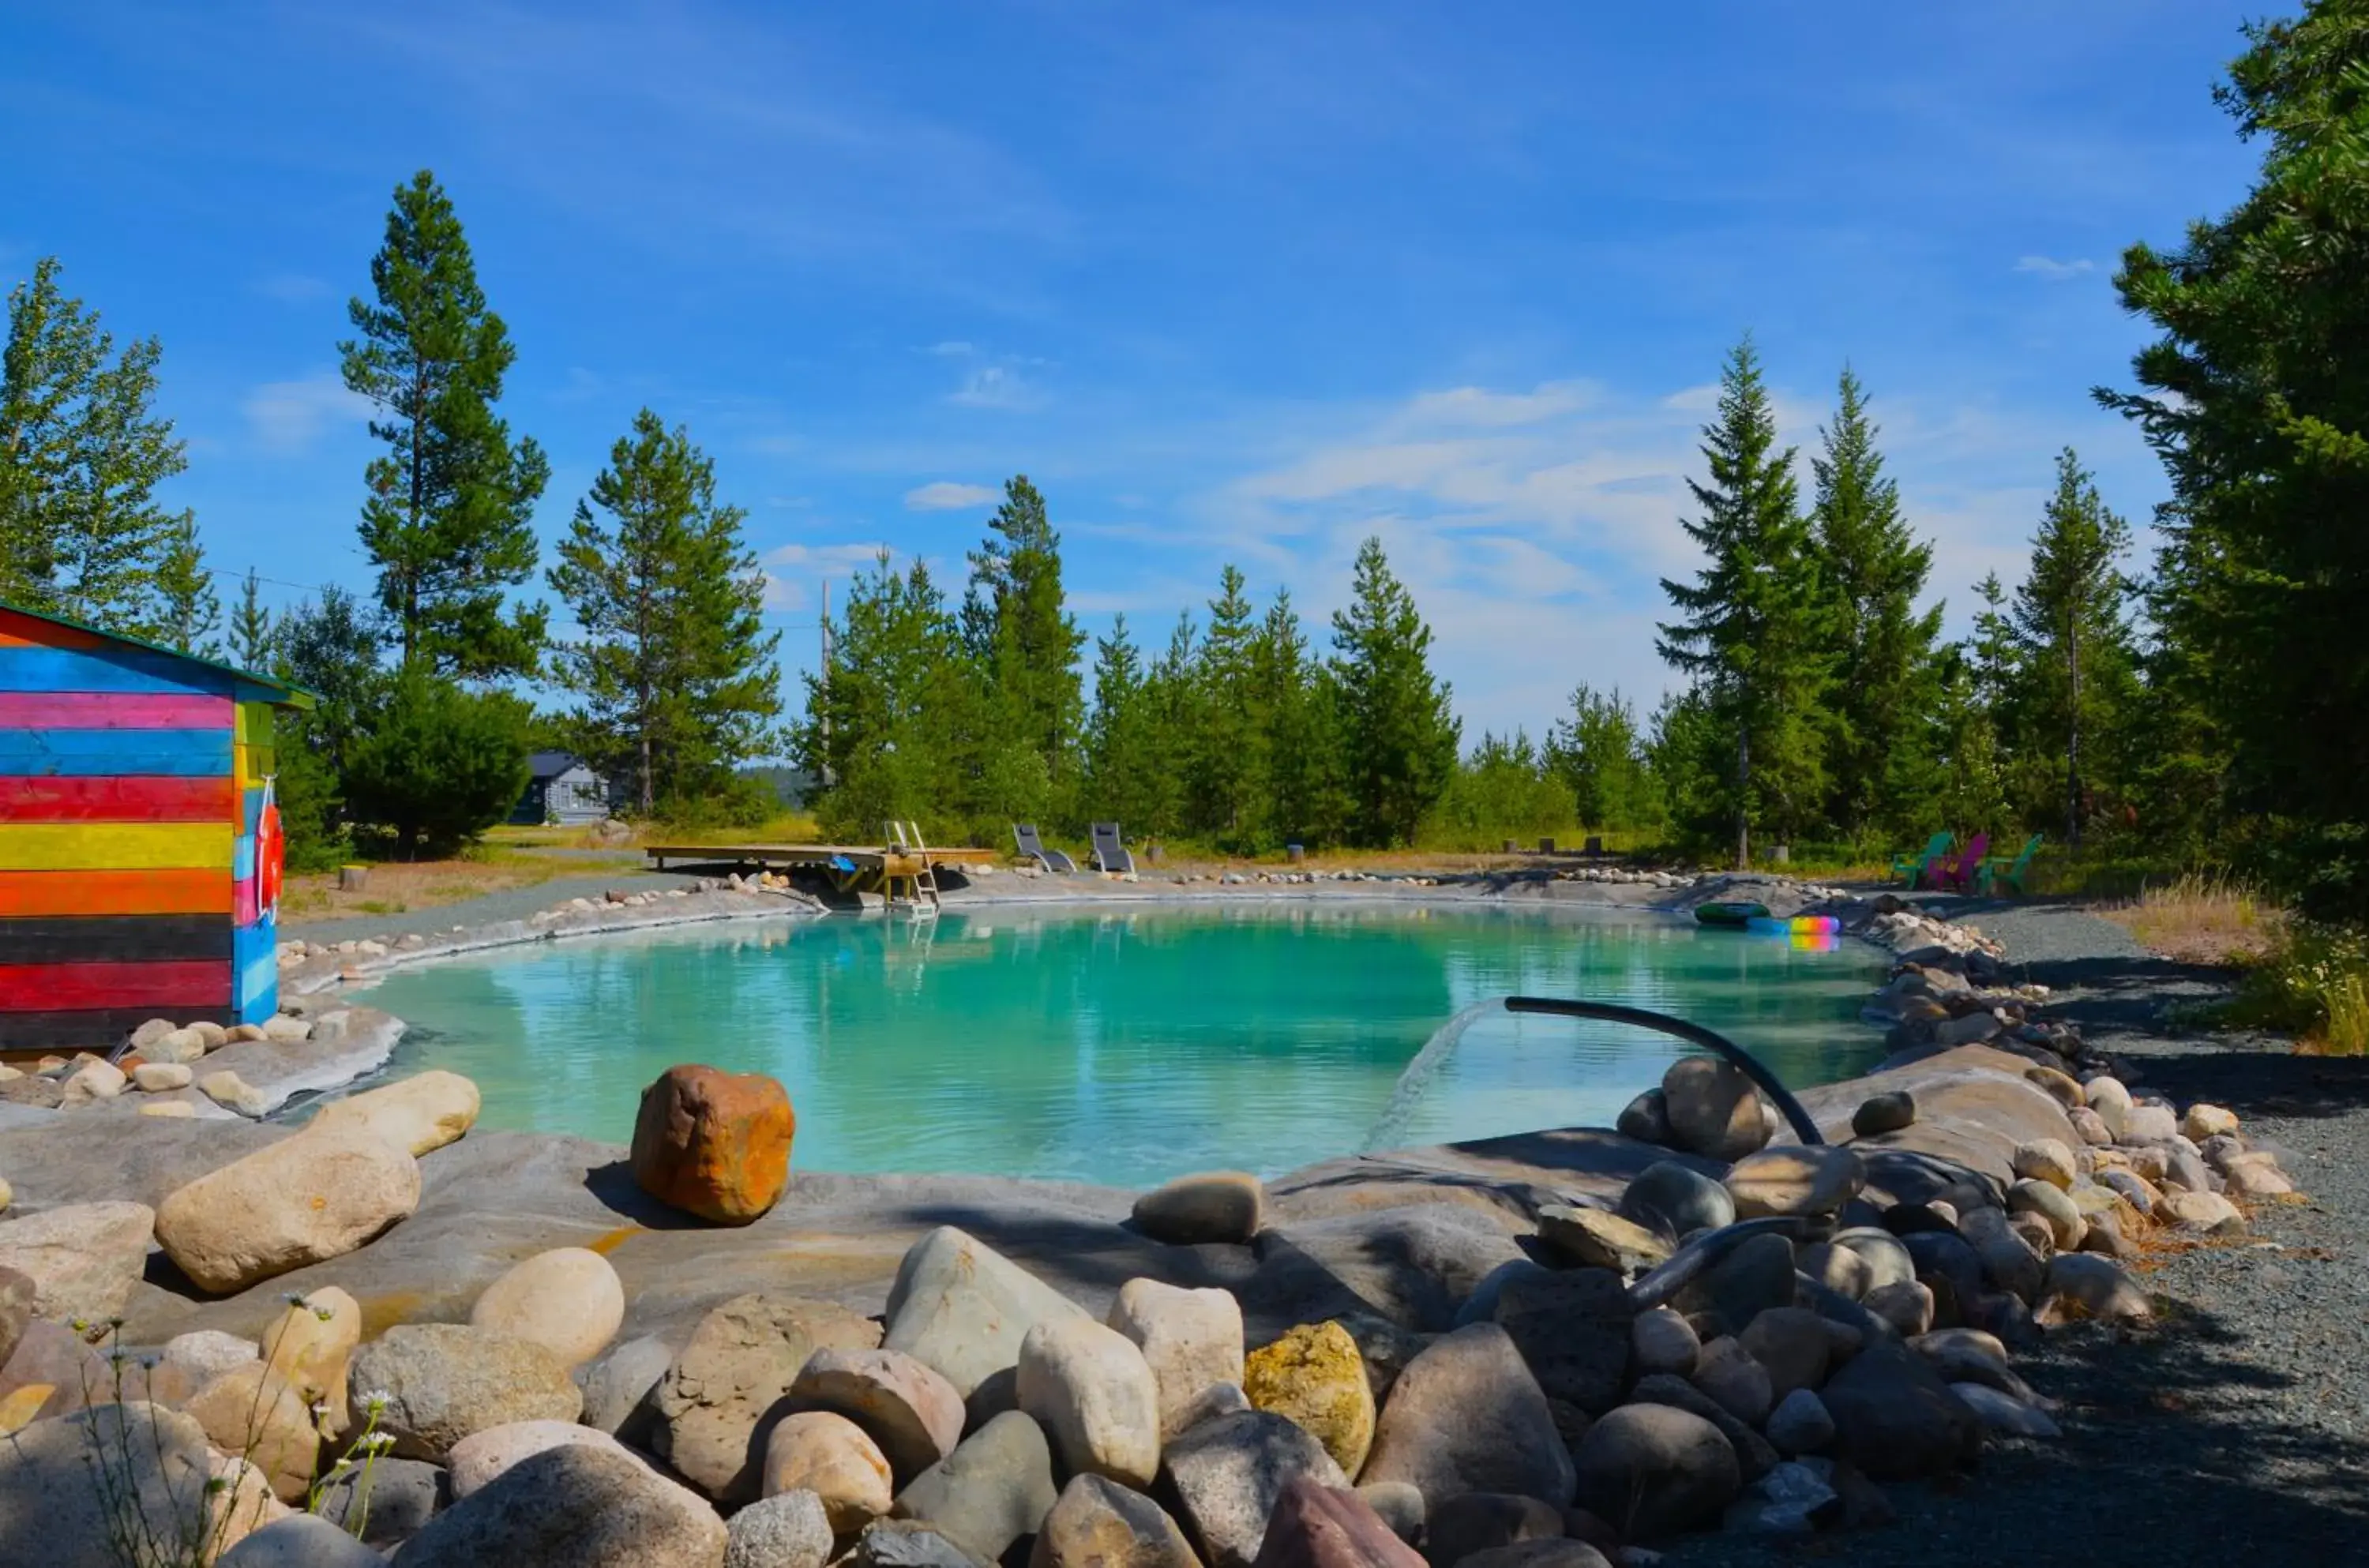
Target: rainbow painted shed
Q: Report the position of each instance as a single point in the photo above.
(139, 844)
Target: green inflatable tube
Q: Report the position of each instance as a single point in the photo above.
(1733, 914)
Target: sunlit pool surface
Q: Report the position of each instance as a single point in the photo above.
(1126, 1046)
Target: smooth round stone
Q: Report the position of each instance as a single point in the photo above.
(161, 1076)
(912, 1413)
(2111, 1100)
(1888, 1260)
(481, 1458)
(2203, 1121)
(1661, 1340)
(1888, 1112)
(994, 1488)
(1795, 1180)
(1092, 1390)
(1713, 1108)
(1669, 1194)
(788, 1529)
(1645, 1119)
(1801, 1424)
(1793, 1344)
(2046, 1160)
(1192, 1339)
(1839, 1269)
(1314, 1377)
(1399, 1505)
(828, 1454)
(1213, 1206)
(1651, 1470)
(1099, 1524)
(2054, 1204)
(569, 1300)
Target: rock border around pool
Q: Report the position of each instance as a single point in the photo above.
(1568, 1345)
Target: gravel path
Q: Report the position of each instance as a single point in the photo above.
(511, 903)
(2239, 1429)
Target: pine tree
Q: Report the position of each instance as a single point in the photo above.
(1228, 749)
(1885, 682)
(1398, 729)
(2255, 396)
(1014, 620)
(1122, 743)
(1756, 631)
(251, 629)
(188, 613)
(2067, 620)
(1306, 799)
(1600, 755)
(449, 518)
(675, 669)
(874, 714)
(80, 455)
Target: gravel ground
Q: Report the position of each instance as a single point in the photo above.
(514, 903)
(2239, 1429)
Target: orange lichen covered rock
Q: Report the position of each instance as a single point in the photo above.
(715, 1144)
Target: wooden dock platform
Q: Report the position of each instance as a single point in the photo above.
(894, 871)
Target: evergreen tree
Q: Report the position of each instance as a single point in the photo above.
(1229, 746)
(251, 629)
(1397, 729)
(449, 518)
(675, 669)
(1756, 623)
(1505, 789)
(1600, 755)
(1172, 697)
(2077, 667)
(873, 716)
(1887, 681)
(188, 613)
(1123, 759)
(80, 455)
(1015, 622)
(1306, 794)
(2256, 395)
(438, 764)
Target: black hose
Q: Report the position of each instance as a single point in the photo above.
(1695, 1034)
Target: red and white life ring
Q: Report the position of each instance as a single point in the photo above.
(270, 851)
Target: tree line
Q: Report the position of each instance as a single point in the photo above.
(421, 737)
(2200, 711)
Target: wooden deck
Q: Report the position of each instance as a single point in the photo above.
(872, 858)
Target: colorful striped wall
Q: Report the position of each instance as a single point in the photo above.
(132, 785)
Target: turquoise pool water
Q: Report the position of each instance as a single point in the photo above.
(1125, 1046)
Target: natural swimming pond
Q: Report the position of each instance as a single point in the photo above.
(1127, 1045)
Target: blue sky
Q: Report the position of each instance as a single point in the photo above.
(1231, 283)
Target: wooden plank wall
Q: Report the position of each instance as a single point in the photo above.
(132, 786)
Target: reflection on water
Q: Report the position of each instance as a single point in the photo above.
(1124, 1046)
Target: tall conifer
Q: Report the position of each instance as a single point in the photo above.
(2078, 669)
(1398, 730)
(448, 522)
(1017, 624)
(1756, 622)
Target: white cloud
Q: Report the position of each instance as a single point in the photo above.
(2056, 271)
(293, 287)
(997, 386)
(793, 571)
(944, 494)
(288, 416)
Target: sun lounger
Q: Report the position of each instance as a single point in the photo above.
(1033, 847)
(1110, 854)
(1917, 871)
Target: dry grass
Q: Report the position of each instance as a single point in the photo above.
(2199, 918)
(395, 887)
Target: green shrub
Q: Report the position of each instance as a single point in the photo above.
(438, 765)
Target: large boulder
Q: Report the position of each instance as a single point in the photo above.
(713, 1143)
(1651, 1470)
(299, 1540)
(252, 1411)
(1413, 1265)
(388, 1502)
(1100, 1524)
(1315, 1378)
(1748, 1281)
(1192, 1340)
(480, 1459)
(316, 1196)
(1713, 1109)
(962, 1308)
(569, 1300)
(1091, 1389)
(1669, 1196)
(1795, 1179)
(1213, 1206)
(443, 1381)
(421, 1113)
(619, 1386)
(1315, 1526)
(1572, 1329)
(83, 1259)
(994, 1488)
(828, 1455)
(1227, 1475)
(724, 1384)
(788, 1529)
(52, 1513)
(586, 1506)
(913, 1414)
(1467, 1415)
(1896, 1418)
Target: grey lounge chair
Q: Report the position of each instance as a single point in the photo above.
(1025, 834)
(1109, 853)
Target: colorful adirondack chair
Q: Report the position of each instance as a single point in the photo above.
(2013, 872)
(1963, 871)
(1915, 871)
